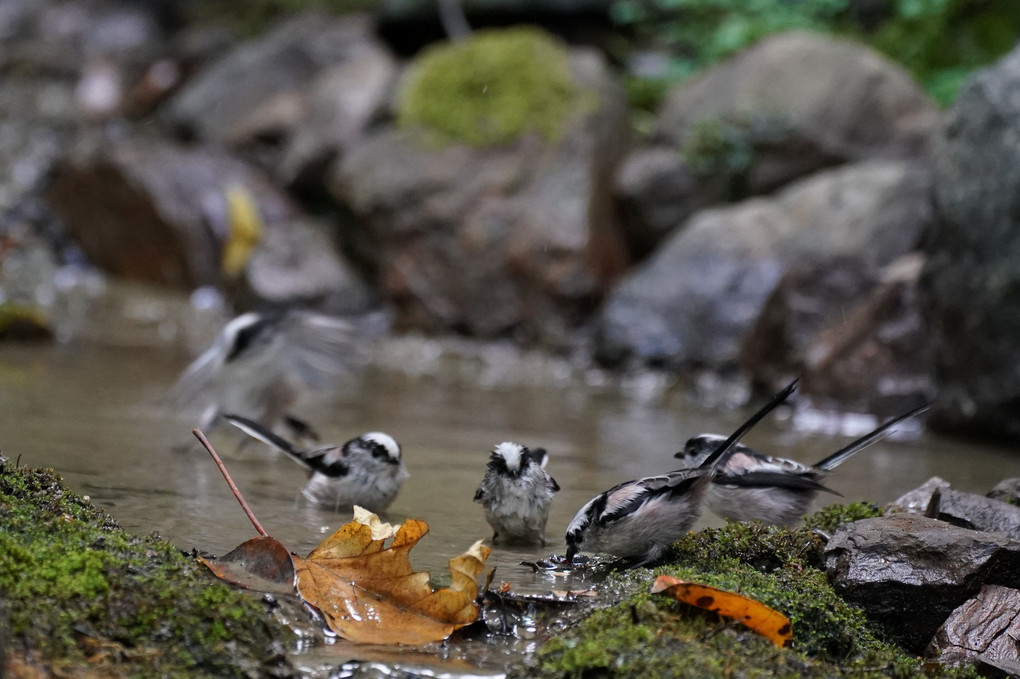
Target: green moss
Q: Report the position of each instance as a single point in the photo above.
(650, 635)
(829, 518)
(491, 88)
(73, 582)
(23, 323)
(726, 148)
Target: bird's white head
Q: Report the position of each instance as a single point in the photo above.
(512, 454)
(383, 442)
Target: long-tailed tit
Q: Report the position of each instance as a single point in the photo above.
(773, 490)
(638, 520)
(516, 492)
(258, 364)
(366, 471)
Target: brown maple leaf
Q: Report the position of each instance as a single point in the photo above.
(368, 592)
(365, 590)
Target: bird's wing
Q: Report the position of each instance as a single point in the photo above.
(319, 348)
(773, 478)
(332, 461)
(199, 373)
(624, 499)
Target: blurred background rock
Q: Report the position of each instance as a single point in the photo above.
(822, 188)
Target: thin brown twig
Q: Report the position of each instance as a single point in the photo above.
(230, 482)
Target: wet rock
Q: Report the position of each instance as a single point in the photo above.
(977, 512)
(299, 265)
(909, 573)
(697, 297)
(259, 88)
(795, 103)
(972, 281)
(656, 192)
(916, 501)
(982, 632)
(876, 356)
(156, 212)
(36, 122)
(1007, 490)
(515, 239)
(338, 108)
(810, 297)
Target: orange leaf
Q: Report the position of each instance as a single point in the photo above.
(368, 592)
(766, 621)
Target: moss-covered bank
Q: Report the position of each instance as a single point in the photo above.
(84, 598)
(647, 635)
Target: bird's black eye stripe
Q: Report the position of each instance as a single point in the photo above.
(379, 451)
(498, 464)
(247, 336)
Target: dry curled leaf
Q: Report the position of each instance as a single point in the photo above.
(755, 615)
(368, 592)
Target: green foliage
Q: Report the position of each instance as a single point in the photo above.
(491, 88)
(727, 147)
(939, 41)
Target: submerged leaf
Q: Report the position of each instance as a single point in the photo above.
(368, 592)
(766, 621)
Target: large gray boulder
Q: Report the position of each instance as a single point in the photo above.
(515, 239)
(817, 101)
(972, 281)
(694, 300)
(789, 106)
(293, 98)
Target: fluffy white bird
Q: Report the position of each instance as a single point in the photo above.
(258, 364)
(516, 492)
(773, 490)
(639, 520)
(367, 471)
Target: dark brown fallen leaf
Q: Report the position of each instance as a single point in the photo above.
(262, 564)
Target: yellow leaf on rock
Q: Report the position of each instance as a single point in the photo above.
(244, 229)
(368, 592)
(755, 615)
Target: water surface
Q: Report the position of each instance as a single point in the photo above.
(99, 416)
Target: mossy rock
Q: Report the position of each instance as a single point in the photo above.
(491, 88)
(23, 323)
(82, 597)
(647, 635)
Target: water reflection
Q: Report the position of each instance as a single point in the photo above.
(99, 416)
